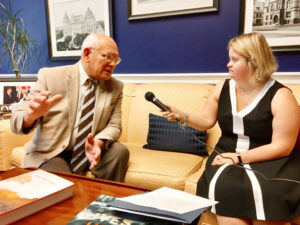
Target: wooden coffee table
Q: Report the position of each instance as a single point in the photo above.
(85, 191)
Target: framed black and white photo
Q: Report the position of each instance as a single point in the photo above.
(13, 91)
(70, 21)
(140, 9)
(278, 21)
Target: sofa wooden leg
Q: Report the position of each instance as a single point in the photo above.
(208, 218)
(200, 222)
(296, 221)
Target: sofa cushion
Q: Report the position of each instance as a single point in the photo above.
(167, 135)
(8, 141)
(189, 97)
(155, 169)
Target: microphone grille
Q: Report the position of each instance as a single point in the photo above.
(149, 96)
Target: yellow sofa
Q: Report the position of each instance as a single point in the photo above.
(150, 169)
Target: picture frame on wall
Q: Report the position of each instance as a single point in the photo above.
(13, 91)
(276, 20)
(70, 21)
(141, 9)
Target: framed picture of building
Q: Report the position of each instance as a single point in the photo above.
(70, 21)
(278, 20)
(141, 9)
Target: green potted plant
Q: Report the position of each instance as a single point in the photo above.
(14, 40)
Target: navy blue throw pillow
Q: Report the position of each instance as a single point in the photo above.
(166, 135)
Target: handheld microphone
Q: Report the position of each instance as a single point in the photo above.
(149, 96)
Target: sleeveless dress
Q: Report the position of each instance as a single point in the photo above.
(240, 191)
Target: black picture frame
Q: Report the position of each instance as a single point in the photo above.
(272, 21)
(140, 9)
(13, 91)
(66, 29)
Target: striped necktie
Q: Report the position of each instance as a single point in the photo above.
(79, 161)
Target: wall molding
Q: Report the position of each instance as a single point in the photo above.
(207, 78)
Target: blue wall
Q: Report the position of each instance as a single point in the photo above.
(194, 43)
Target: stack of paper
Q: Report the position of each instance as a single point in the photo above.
(164, 203)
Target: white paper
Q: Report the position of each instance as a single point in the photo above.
(170, 199)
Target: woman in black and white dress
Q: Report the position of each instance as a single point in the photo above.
(259, 119)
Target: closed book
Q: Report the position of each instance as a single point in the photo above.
(25, 194)
(99, 213)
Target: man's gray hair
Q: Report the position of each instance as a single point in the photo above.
(91, 41)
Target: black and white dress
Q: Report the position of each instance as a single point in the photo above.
(241, 192)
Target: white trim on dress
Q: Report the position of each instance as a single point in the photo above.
(212, 185)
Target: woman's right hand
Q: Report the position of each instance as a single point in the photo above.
(173, 114)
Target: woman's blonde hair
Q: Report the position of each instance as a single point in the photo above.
(255, 49)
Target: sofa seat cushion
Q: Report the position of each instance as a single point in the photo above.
(153, 169)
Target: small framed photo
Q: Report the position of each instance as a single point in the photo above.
(141, 9)
(70, 21)
(278, 21)
(13, 91)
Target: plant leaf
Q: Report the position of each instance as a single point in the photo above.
(14, 40)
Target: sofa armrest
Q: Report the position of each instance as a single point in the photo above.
(17, 156)
(8, 141)
(191, 182)
(207, 218)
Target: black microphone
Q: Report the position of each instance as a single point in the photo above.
(149, 96)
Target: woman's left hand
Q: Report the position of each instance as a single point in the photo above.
(225, 158)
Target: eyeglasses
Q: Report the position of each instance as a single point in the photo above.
(109, 58)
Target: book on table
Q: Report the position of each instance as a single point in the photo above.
(98, 212)
(30, 192)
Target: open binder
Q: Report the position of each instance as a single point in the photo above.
(155, 204)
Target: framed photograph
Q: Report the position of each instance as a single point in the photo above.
(140, 9)
(70, 21)
(279, 21)
(13, 91)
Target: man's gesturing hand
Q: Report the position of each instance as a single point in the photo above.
(38, 106)
(93, 148)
